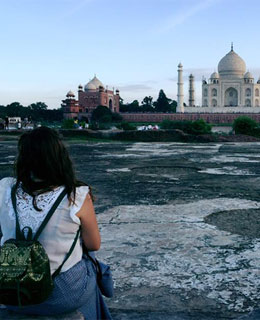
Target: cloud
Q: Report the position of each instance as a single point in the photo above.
(183, 16)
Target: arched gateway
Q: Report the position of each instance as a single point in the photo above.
(231, 97)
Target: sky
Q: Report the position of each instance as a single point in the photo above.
(49, 47)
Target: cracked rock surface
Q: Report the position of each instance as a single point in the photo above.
(179, 225)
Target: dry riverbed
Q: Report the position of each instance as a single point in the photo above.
(179, 223)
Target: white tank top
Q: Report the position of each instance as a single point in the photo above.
(59, 233)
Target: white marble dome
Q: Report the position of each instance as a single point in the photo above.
(248, 75)
(89, 86)
(93, 84)
(214, 75)
(232, 65)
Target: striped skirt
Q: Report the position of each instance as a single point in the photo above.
(74, 289)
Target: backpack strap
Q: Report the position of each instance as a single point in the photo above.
(20, 235)
(68, 254)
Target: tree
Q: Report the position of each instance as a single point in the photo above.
(193, 127)
(173, 106)
(130, 107)
(147, 104)
(101, 114)
(162, 104)
(14, 109)
(200, 126)
(135, 104)
(38, 106)
(244, 125)
(147, 101)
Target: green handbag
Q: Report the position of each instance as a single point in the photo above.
(25, 276)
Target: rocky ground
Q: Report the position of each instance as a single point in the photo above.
(179, 223)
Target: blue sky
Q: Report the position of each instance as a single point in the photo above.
(49, 47)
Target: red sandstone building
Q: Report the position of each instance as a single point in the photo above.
(93, 95)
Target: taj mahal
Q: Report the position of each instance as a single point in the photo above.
(230, 90)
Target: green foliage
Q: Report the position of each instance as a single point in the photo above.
(116, 117)
(191, 127)
(126, 126)
(36, 111)
(181, 125)
(244, 125)
(102, 117)
(38, 106)
(255, 132)
(99, 126)
(173, 106)
(101, 114)
(147, 101)
(162, 104)
(93, 126)
(200, 127)
(130, 107)
(68, 124)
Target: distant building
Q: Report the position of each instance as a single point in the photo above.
(229, 90)
(93, 95)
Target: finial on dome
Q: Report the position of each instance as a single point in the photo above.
(232, 46)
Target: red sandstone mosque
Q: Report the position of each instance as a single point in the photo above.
(93, 95)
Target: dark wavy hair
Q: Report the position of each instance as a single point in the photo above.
(43, 163)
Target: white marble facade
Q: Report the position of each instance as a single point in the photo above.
(231, 89)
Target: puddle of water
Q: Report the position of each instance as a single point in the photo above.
(119, 170)
(227, 170)
(223, 159)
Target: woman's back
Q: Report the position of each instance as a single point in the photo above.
(58, 234)
(43, 171)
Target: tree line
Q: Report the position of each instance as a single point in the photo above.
(36, 111)
(162, 104)
(39, 111)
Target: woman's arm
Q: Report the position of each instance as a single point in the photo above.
(90, 232)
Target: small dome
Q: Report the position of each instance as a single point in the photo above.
(70, 94)
(248, 75)
(258, 81)
(94, 84)
(180, 65)
(232, 65)
(89, 86)
(80, 86)
(214, 75)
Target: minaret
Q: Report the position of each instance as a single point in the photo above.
(191, 91)
(180, 96)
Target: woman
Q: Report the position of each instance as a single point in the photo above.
(43, 171)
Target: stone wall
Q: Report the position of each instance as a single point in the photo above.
(208, 117)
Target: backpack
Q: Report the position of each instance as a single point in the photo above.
(25, 276)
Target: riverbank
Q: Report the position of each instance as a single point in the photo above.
(140, 136)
